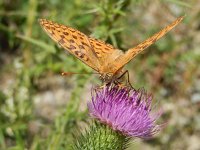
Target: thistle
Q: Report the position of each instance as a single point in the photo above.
(120, 113)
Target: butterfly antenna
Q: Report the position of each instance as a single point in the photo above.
(72, 73)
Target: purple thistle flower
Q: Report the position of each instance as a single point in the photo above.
(127, 111)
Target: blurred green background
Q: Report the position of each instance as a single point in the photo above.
(40, 109)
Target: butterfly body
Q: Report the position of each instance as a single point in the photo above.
(102, 57)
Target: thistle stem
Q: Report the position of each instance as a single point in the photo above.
(100, 136)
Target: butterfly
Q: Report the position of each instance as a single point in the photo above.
(107, 60)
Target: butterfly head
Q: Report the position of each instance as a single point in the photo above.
(106, 77)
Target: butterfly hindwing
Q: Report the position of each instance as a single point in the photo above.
(101, 48)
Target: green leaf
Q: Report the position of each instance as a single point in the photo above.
(43, 45)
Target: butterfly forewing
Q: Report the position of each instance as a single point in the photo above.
(131, 53)
(73, 41)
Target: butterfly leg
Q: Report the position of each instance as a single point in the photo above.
(127, 79)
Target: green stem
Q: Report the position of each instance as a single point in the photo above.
(28, 33)
(101, 137)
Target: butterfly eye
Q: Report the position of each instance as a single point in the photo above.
(109, 74)
(101, 77)
(106, 77)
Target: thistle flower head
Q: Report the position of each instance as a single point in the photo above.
(126, 111)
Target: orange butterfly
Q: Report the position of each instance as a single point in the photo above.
(104, 58)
